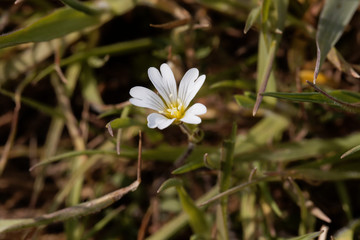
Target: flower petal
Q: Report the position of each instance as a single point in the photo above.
(191, 119)
(191, 114)
(143, 97)
(190, 76)
(194, 89)
(165, 84)
(190, 85)
(169, 81)
(158, 120)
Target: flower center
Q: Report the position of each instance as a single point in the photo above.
(174, 110)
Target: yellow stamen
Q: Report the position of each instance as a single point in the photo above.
(174, 110)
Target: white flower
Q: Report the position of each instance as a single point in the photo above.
(171, 105)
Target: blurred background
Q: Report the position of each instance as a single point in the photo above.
(66, 68)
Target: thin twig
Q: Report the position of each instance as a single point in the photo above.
(10, 141)
(145, 222)
(118, 141)
(318, 61)
(58, 68)
(139, 158)
(252, 173)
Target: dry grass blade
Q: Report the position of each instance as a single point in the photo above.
(265, 77)
(351, 151)
(79, 210)
(172, 24)
(13, 129)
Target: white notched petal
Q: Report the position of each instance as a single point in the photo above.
(190, 115)
(143, 97)
(169, 81)
(157, 80)
(197, 109)
(164, 83)
(191, 119)
(193, 90)
(164, 124)
(158, 120)
(186, 83)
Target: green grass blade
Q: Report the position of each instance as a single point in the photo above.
(316, 97)
(79, 6)
(170, 228)
(245, 101)
(196, 215)
(254, 16)
(112, 49)
(334, 17)
(225, 183)
(303, 150)
(351, 151)
(122, 123)
(197, 218)
(308, 236)
(344, 199)
(351, 231)
(58, 24)
(188, 167)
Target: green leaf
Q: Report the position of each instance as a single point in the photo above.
(248, 213)
(58, 24)
(170, 228)
(224, 180)
(121, 7)
(188, 167)
(196, 215)
(172, 182)
(246, 100)
(266, 194)
(265, 77)
(113, 49)
(351, 231)
(197, 218)
(11, 68)
(321, 175)
(315, 97)
(79, 6)
(307, 236)
(344, 197)
(351, 151)
(122, 123)
(334, 17)
(252, 18)
(273, 21)
(303, 150)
